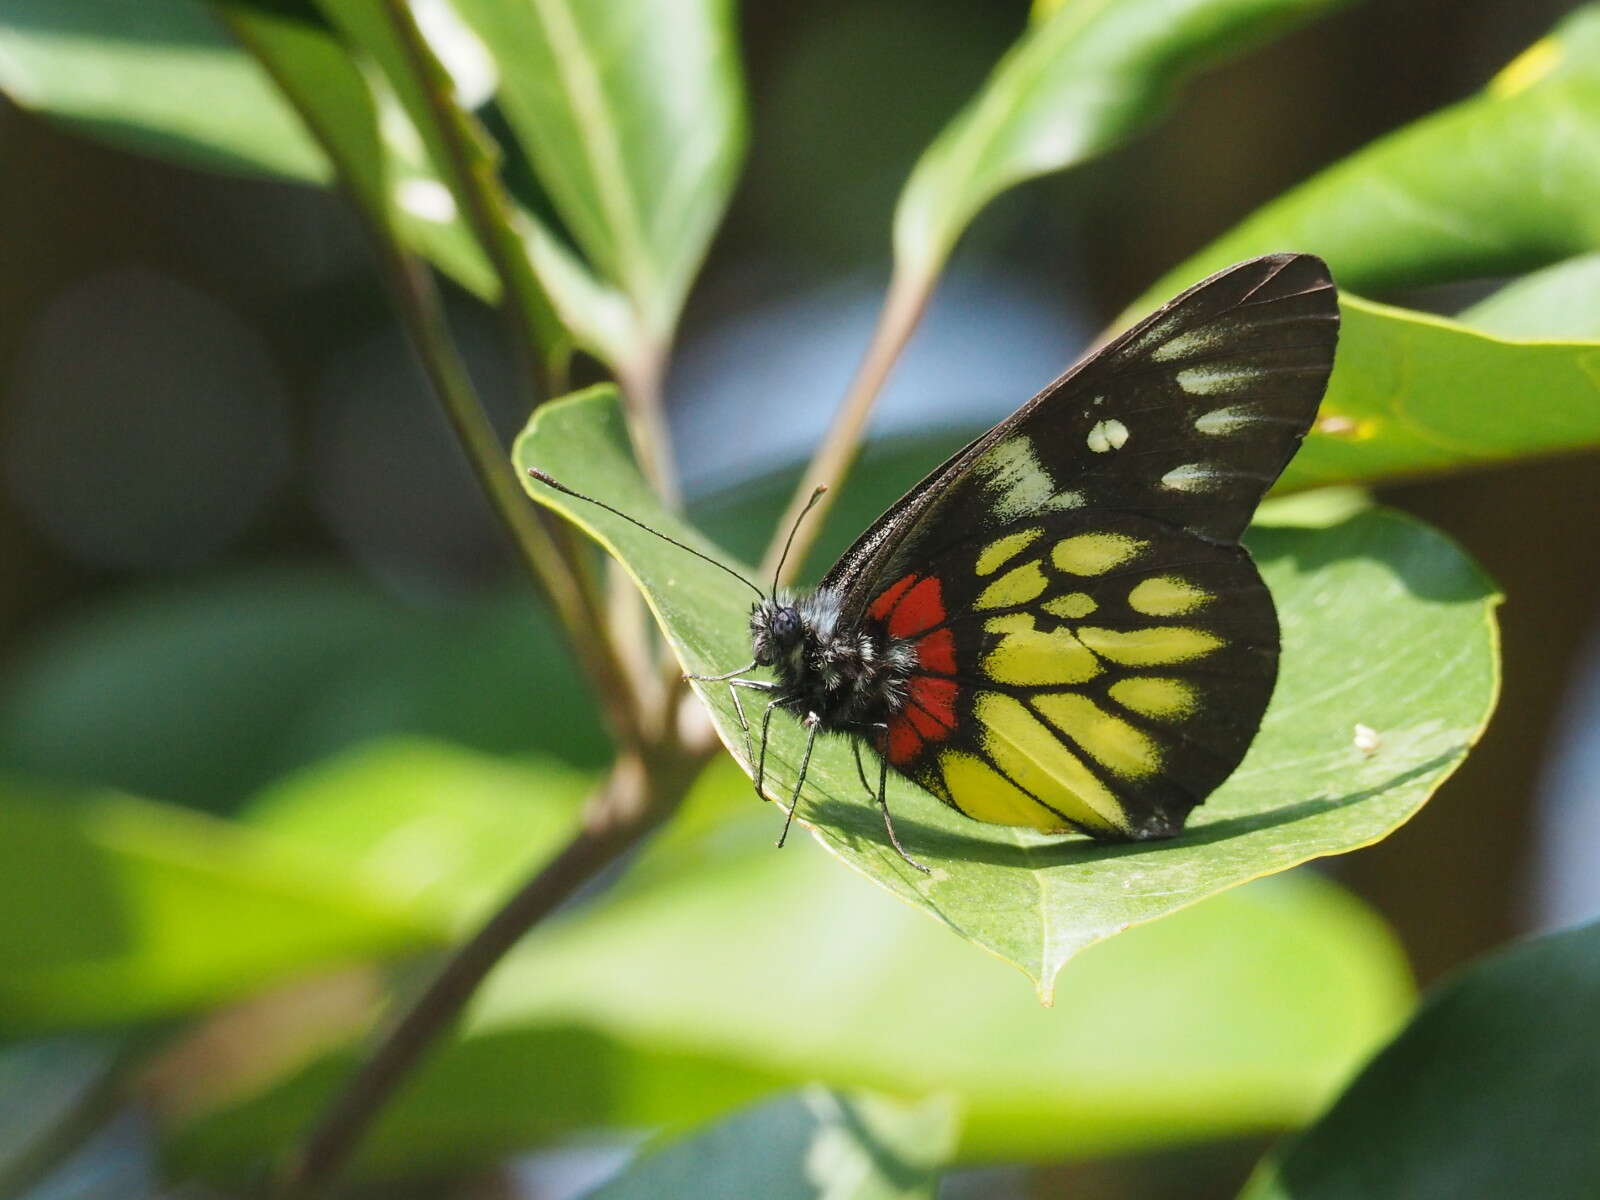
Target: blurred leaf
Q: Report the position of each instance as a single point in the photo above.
(1500, 183)
(1082, 79)
(158, 77)
(1560, 303)
(631, 114)
(1385, 624)
(205, 692)
(432, 825)
(119, 910)
(722, 969)
(814, 1145)
(1413, 393)
(1489, 1092)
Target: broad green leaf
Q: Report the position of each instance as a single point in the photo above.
(1083, 78)
(1385, 624)
(159, 77)
(631, 114)
(270, 670)
(1413, 393)
(722, 969)
(1559, 303)
(814, 1145)
(431, 825)
(118, 910)
(1489, 1092)
(1497, 184)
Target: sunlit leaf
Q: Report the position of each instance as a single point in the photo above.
(1413, 393)
(1560, 303)
(721, 969)
(814, 1145)
(1385, 624)
(1489, 1092)
(1083, 78)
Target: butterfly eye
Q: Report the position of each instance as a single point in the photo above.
(786, 624)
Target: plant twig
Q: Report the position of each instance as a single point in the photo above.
(636, 797)
(903, 306)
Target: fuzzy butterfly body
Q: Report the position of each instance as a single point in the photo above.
(1057, 627)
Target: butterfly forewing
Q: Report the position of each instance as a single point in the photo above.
(1187, 418)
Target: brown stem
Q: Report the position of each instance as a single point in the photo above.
(903, 306)
(635, 798)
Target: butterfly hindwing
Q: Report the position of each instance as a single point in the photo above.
(1097, 673)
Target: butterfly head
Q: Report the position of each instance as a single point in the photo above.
(777, 630)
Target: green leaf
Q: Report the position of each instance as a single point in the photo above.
(434, 826)
(722, 969)
(1413, 393)
(1385, 624)
(158, 77)
(1489, 1092)
(1560, 303)
(631, 114)
(814, 1145)
(1449, 196)
(1083, 78)
(119, 910)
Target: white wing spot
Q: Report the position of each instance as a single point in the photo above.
(1108, 435)
(1191, 477)
(1014, 478)
(1217, 380)
(1224, 420)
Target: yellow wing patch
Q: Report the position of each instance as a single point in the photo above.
(984, 794)
(1095, 553)
(1153, 696)
(1031, 754)
(1029, 658)
(1071, 606)
(1017, 586)
(1114, 743)
(1167, 596)
(1152, 646)
(1002, 550)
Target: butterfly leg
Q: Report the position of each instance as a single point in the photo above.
(761, 760)
(861, 772)
(749, 666)
(883, 806)
(811, 723)
(754, 685)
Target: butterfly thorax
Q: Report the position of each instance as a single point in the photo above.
(852, 677)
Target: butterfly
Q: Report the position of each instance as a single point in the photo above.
(1058, 627)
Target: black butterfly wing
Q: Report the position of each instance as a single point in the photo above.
(1188, 417)
(1116, 669)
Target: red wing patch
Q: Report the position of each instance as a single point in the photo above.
(887, 599)
(937, 652)
(908, 607)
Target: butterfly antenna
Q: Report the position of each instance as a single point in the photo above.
(777, 573)
(561, 487)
